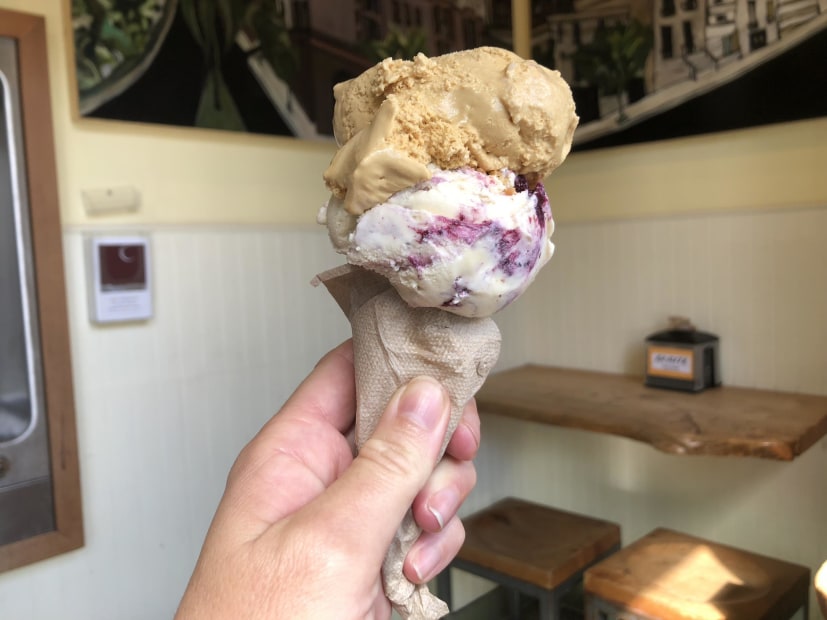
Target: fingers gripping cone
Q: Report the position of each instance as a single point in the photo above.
(437, 182)
(393, 343)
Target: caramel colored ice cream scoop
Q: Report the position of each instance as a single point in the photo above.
(484, 108)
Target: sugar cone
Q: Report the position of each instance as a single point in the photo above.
(393, 343)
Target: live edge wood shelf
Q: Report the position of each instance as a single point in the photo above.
(718, 421)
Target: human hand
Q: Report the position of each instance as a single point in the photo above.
(303, 526)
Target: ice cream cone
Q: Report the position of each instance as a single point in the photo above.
(437, 195)
(393, 343)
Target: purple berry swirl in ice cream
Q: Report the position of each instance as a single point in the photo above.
(463, 240)
(437, 183)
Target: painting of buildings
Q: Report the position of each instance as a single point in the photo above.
(649, 69)
(640, 69)
(337, 41)
(266, 66)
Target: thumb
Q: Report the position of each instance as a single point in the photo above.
(370, 499)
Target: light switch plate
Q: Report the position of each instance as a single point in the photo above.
(111, 200)
(120, 278)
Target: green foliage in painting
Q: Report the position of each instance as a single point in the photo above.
(111, 33)
(399, 44)
(116, 39)
(214, 25)
(617, 54)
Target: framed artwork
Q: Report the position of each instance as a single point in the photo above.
(645, 70)
(640, 70)
(263, 66)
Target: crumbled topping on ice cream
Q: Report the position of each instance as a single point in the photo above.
(484, 108)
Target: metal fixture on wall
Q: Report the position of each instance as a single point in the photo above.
(40, 504)
(26, 507)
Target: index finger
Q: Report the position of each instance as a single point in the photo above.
(329, 391)
(465, 441)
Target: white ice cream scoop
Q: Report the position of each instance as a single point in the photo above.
(464, 241)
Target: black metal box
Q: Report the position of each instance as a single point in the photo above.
(682, 358)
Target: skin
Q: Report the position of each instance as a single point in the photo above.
(303, 526)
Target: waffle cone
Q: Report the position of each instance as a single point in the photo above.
(393, 343)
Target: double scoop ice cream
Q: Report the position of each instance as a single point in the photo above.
(438, 204)
(437, 183)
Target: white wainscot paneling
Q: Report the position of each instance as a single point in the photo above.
(758, 281)
(755, 279)
(164, 407)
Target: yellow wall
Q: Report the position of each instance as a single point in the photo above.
(193, 176)
(183, 175)
(765, 167)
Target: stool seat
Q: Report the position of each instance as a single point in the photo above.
(534, 549)
(669, 575)
(535, 543)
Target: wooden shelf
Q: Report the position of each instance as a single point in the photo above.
(719, 421)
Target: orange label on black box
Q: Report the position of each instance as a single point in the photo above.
(670, 362)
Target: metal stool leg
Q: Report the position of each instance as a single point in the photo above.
(513, 604)
(549, 606)
(443, 587)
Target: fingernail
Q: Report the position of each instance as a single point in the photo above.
(444, 502)
(437, 516)
(422, 402)
(425, 562)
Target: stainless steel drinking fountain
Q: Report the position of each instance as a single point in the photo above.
(26, 498)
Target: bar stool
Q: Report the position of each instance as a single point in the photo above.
(667, 575)
(531, 549)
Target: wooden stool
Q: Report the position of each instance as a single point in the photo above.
(820, 583)
(672, 576)
(531, 549)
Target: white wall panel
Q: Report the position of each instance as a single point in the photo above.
(164, 407)
(758, 280)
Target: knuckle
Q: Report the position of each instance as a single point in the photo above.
(395, 459)
(472, 476)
